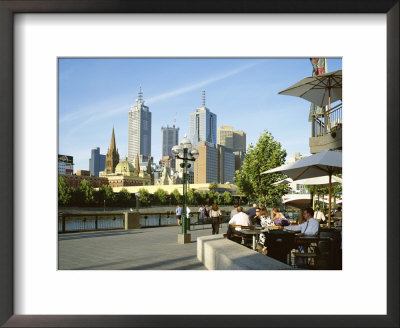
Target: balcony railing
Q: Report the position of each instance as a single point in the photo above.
(328, 124)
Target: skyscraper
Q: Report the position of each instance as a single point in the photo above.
(214, 164)
(97, 162)
(203, 124)
(170, 138)
(112, 157)
(139, 130)
(235, 140)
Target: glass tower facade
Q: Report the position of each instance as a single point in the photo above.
(139, 130)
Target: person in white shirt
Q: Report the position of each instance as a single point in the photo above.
(215, 215)
(238, 219)
(234, 211)
(308, 228)
(319, 216)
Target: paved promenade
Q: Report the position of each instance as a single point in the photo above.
(139, 249)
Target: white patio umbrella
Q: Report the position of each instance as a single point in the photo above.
(321, 90)
(324, 163)
(318, 181)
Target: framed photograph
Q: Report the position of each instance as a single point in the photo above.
(35, 34)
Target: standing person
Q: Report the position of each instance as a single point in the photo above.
(206, 211)
(234, 211)
(178, 212)
(201, 213)
(215, 213)
(319, 216)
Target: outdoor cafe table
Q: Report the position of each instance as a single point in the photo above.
(253, 232)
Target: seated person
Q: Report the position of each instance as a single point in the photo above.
(238, 219)
(308, 228)
(319, 216)
(256, 219)
(338, 212)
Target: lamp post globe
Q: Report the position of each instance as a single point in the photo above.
(184, 152)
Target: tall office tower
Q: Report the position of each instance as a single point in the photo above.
(170, 138)
(97, 162)
(112, 157)
(226, 165)
(203, 124)
(214, 164)
(239, 141)
(227, 137)
(139, 130)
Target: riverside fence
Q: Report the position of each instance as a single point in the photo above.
(79, 222)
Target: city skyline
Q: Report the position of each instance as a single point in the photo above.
(96, 95)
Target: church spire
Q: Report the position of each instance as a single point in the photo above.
(112, 157)
(137, 166)
(112, 143)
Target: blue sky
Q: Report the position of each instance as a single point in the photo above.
(95, 95)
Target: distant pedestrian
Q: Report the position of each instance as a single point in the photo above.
(206, 212)
(201, 213)
(215, 215)
(178, 212)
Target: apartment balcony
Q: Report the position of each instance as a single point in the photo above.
(327, 131)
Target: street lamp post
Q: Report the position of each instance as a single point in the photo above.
(137, 194)
(185, 152)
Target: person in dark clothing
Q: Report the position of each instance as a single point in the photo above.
(252, 211)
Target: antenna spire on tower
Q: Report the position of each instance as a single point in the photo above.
(203, 98)
(140, 94)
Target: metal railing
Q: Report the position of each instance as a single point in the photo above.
(333, 119)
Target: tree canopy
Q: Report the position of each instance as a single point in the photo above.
(64, 191)
(265, 155)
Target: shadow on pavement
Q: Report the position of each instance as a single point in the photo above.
(94, 234)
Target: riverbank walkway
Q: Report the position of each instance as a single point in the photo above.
(139, 249)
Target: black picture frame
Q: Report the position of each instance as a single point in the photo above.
(7, 10)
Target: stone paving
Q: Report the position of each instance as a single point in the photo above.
(139, 249)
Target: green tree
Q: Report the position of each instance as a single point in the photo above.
(175, 197)
(64, 192)
(212, 186)
(161, 196)
(227, 196)
(190, 196)
(105, 193)
(85, 193)
(124, 197)
(144, 197)
(266, 155)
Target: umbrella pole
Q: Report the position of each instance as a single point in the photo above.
(329, 201)
(313, 201)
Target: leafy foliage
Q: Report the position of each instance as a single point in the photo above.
(190, 196)
(64, 191)
(266, 155)
(227, 196)
(85, 193)
(124, 197)
(144, 197)
(161, 196)
(175, 197)
(212, 186)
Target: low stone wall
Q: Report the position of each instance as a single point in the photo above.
(218, 253)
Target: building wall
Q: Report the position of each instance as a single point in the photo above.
(203, 126)
(170, 137)
(97, 162)
(139, 131)
(225, 136)
(239, 141)
(206, 165)
(75, 180)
